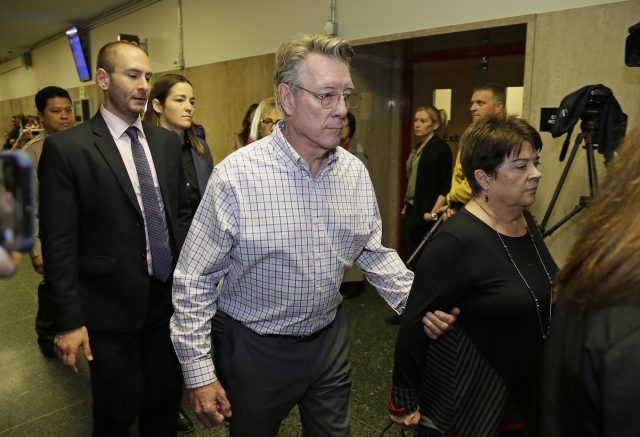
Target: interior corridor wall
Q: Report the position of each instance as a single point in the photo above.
(216, 31)
(559, 59)
(572, 49)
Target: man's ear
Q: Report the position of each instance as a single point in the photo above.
(157, 107)
(499, 107)
(103, 79)
(285, 97)
(482, 178)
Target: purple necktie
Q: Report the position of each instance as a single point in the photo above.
(156, 226)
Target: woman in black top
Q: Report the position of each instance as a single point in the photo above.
(491, 262)
(171, 105)
(429, 170)
(590, 384)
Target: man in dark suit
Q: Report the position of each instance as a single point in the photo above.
(113, 216)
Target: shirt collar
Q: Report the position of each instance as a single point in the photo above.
(118, 126)
(286, 151)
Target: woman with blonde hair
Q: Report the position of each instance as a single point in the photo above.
(590, 384)
(265, 119)
(429, 170)
(171, 105)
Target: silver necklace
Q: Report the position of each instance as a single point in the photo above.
(536, 301)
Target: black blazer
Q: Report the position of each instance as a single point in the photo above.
(92, 229)
(203, 166)
(434, 176)
(590, 385)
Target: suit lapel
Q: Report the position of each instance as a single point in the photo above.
(107, 147)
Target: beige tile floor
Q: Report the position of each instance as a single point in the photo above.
(40, 398)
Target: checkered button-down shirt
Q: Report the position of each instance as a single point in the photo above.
(282, 241)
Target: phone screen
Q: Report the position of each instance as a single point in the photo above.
(16, 201)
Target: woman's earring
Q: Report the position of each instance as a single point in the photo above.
(486, 196)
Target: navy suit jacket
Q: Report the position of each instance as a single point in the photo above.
(92, 229)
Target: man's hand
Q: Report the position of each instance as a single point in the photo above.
(446, 212)
(407, 421)
(210, 404)
(438, 323)
(37, 264)
(441, 202)
(441, 207)
(66, 346)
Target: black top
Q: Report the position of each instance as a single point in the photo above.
(193, 189)
(434, 174)
(465, 265)
(590, 384)
(433, 179)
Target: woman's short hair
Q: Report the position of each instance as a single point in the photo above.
(291, 56)
(437, 115)
(489, 141)
(261, 111)
(603, 267)
(160, 91)
(32, 120)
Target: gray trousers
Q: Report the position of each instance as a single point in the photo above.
(266, 376)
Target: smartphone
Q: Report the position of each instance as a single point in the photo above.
(35, 132)
(16, 201)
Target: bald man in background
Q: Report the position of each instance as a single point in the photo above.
(485, 100)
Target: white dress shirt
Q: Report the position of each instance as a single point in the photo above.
(282, 240)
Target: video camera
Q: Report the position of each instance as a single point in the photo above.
(16, 201)
(632, 47)
(603, 122)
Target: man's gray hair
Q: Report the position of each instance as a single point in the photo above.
(291, 55)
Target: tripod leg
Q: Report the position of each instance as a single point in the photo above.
(563, 178)
(591, 166)
(426, 238)
(562, 221)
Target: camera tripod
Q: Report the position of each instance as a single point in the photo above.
(583, 202)
(426, 238)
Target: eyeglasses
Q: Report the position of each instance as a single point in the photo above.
(331, 100)
(269, 122)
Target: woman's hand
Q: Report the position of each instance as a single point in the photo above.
(430, 217)
(8, 262)
(22, 139)
(411, 420)
(440, 202)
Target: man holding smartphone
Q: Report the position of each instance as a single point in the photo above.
(55, 113)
